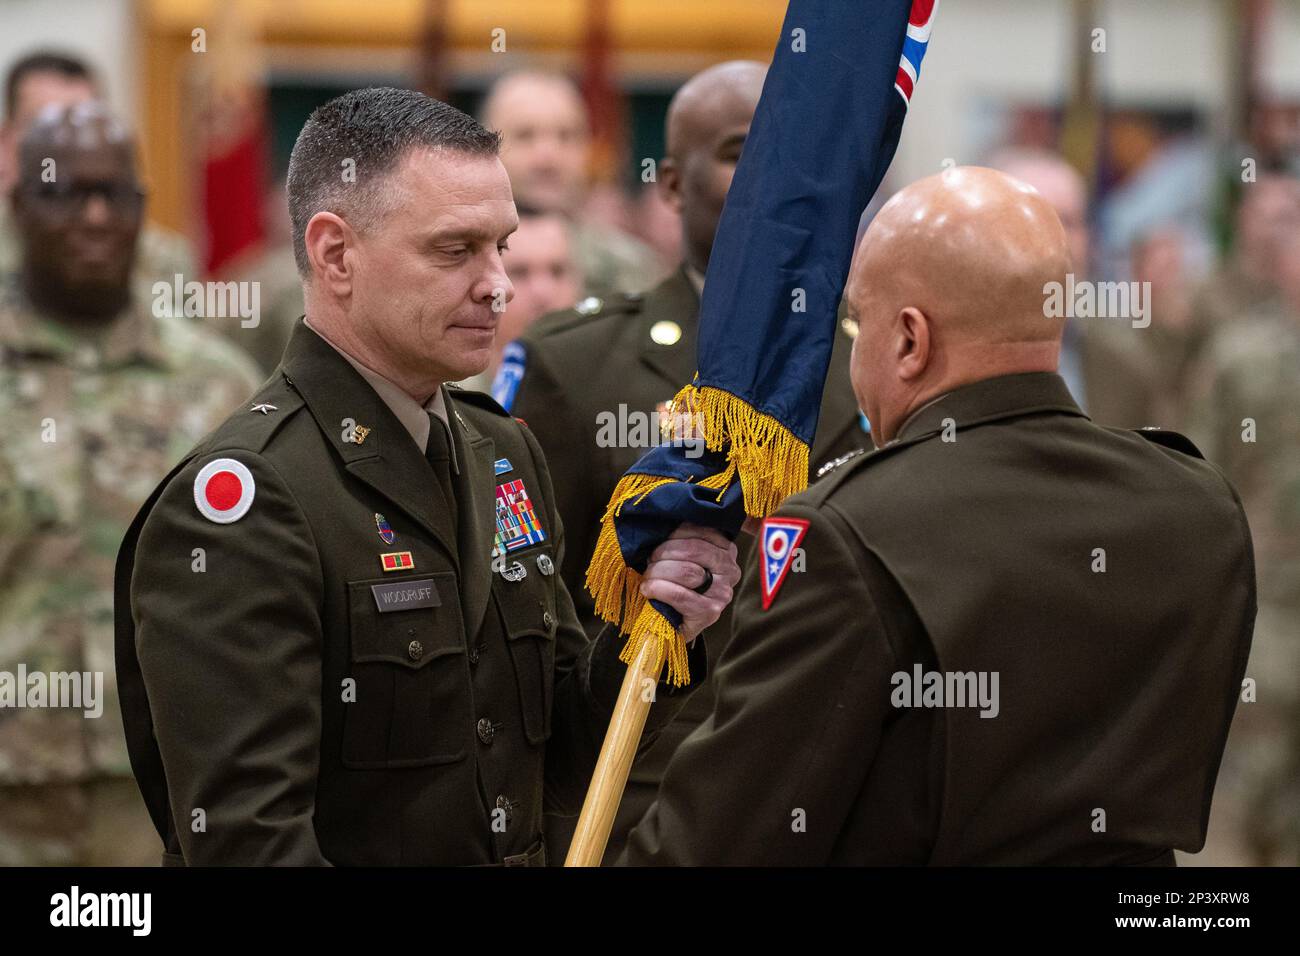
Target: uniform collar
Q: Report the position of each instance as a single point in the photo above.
(374, 446)
(695, 276)
(413, 416)
(133, 335)
(917, 411)
(1006, 396)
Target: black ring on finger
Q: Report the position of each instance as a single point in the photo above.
(708, 583)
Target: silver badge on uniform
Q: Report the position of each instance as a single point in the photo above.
(515, 572)
(545, 564)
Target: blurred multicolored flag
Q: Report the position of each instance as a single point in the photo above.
(823, 136)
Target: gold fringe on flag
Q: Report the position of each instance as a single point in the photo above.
(614, 586)
(772, 464)
(652, 626)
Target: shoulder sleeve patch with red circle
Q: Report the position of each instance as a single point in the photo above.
(223, 490)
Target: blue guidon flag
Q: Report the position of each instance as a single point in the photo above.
(823, 135)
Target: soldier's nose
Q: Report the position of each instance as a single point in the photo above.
(96, 210)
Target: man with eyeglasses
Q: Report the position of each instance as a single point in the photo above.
(98, 398)
(33, 83)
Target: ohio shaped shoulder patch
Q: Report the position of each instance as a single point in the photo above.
(779, 537)
(223, 490)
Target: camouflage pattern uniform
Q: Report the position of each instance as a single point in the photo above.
(1251, 370)
(92, 423)
(280, 306)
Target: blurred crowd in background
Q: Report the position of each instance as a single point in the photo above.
(1202, 206)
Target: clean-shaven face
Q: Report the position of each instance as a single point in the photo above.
(429, 273)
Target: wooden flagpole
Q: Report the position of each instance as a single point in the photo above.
(615, 761)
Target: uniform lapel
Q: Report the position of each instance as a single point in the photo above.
(673, 300)
(475, 485)
(386, 458)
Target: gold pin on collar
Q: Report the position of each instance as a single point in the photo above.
(665, 332)
(361, 431)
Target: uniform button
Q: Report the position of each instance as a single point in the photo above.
(486, 732)
(504, 804)
(415, 650)
(548, 620)
(473, 654)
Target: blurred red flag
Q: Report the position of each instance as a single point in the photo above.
(601, 93)
(431, 52)
(233, 136)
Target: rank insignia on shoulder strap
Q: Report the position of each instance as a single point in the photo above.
(835, 463)
(779, 537)
(589, 306)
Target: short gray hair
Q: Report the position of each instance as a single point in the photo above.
(373, 128)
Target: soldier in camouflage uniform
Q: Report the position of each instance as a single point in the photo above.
(99, 398)
(280, 306)
(43, 80)
(1246, 421)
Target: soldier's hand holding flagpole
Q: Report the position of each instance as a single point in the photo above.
(823, 135)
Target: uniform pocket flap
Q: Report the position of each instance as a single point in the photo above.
(526, 609)
(408, 621)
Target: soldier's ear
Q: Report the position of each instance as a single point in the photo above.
(12, 199)
(912, 343)
(670, 182)
(328, 239)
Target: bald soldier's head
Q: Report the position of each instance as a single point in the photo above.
(78, 208)
(947, 288)
(708, 121)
